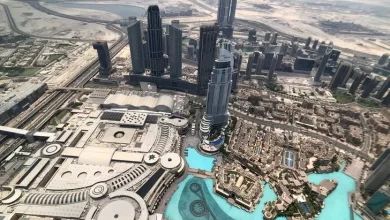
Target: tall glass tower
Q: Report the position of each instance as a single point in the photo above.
(155, 41)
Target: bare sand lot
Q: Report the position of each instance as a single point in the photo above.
(4, 27)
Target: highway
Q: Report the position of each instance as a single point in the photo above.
(15, 29)
(309, 133)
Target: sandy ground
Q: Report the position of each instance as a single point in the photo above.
(88, 13)
(4, 27)
(35, 22)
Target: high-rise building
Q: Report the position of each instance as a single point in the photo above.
(175, 51)
(386, 100)
(322, 49)
(274, 39)
(145, 47)
(175, 23)
(155, 41)
(383, 89)
(237, 56)
(225, 17)
(379, 200)
(372, 83)
(279, 61)
(346, 78)
(294, 49)
(335, 55)
(380, 159)
(249, 65)
(134, 34)
(359, 76)
(321, 68)
(219, 88)
(340, 75)
(307, 44)
(379, 176)
(104, 57)
(206, 55)
(252, 35)
(268, 60)
(294, 39)
(259, 62)
(267, 36)
(284, 48)
(384, 58)
(315, 44)
(272, 68)
(303, 64)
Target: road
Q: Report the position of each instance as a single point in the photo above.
(15, 29)
(309, 133)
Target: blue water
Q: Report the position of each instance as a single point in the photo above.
(122, 10)
(336, 204)
(197, 161)
(171, 212)
(218, 141)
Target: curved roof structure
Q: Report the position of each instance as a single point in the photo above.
(162, 103)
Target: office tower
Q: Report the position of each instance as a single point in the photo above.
(321, 68)
(191, 52)
(303, 64)
(335, 55)
(340, 75)
(166, 42)
(225, 17)
(379, 176)
(268, 60)
(267, 36)
(134, 33)
(155, 41)
(294, 49)
(299, 53)
(219, 87)
(271, 71)
(175, 51)
(274, 38)
(380, 159)
(384, 58)
(307, 44)
(359, 76)
(315, 43)
(284, 48)
(386, 100)
(266, 46)
(322, 49)
(294, 39)
(372, 83)
(382, 91)
(207, 45)
(104, 57)
(237, 56)
(346, 78)
(145, 47)
(259, 62)
(252, 35)
(249, 65)
(379, 200)
(175, 23)
(279, 61)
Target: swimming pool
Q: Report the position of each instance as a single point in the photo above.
(196, 160)
(195, 200)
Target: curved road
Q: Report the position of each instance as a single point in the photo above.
(15, 29)
(302, 131)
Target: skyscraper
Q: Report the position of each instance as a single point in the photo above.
(359, 76)
(335, 55)
(175, 51)
(372, 83)
(225, 17)
(206, 55)
(315, 43)
(322, 66)
(384, 58)
(252, 35)
(340, 75)
(237, 56)
(322, 49)
(294, 49)
(219, 87)
(382, 91)
(259, 63)
(145, 47)
(134, 33)
(379, 200)
(307, 44)
(104, 57)
(175, 23)
(255, 63)
(272, 67)
(379, 176)
(267, 36)
(274, 39)
(249, 65)
(346, 78)
(155, 41)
